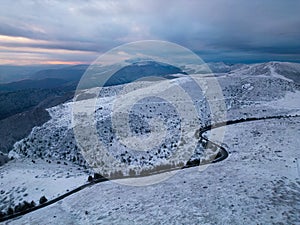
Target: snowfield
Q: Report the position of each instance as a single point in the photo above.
(27, 180)
(258, 184)
(243, 95)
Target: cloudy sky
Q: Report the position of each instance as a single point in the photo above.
(72, 32)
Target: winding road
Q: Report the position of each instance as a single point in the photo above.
(221, 155)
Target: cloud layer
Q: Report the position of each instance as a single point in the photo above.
(217, 30)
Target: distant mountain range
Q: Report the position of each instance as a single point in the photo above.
(70, 73)
(68, 77)
(141, 70)
(12, 73)
(47, 83)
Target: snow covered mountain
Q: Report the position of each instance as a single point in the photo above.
(258, 183)
(242, 88)
(286, 70)
(247, 91)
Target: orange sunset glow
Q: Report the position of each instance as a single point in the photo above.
(27, 51)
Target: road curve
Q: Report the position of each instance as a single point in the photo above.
(221, 155)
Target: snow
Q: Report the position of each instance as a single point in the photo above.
(258, 184)
(247, 87)
(27, 180)
(244, 96)
(290, 101)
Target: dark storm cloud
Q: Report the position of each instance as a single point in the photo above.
(10, 30)
(244, 28)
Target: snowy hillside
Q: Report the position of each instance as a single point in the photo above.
(284, 70)
(245, 96)
(29, 180)
(163, 122)
(218, 67)
(258, 183)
